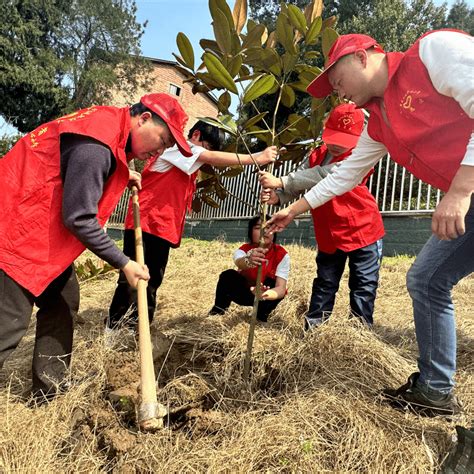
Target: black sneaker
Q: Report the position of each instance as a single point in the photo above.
(410, 398)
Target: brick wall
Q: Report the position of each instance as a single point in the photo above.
(166, 74)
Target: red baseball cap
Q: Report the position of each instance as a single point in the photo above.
(344, 45)
(344, 126)
(170, 110)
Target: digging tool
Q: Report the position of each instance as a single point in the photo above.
(150, 412)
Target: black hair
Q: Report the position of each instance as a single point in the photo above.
(209, 133)
(139, 108)
(252, 222)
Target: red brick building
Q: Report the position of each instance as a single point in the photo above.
(168, 77)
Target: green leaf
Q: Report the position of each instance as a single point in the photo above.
(312, 54)
(207, 44)
(222, 32)
(225, 101)
(180, 60)
(209, 201)
(219, 73)
(284, 32)
(208, 80)
(314, 30)
(313, 10)
(234, 65)
(254, 120)
(196, 205)
(288, 96)
(186, 50)
(259, 87)
(271, 61)
(219, 124)
(221, 192)
(297, 18)
(239, 14)
(289, 62)
(229, 122)
(221, 5)
(329, 22)
(253, 37)
(329, 36)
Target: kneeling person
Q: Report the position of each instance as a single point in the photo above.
(238, 286)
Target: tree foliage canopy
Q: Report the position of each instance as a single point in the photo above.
(59, 56)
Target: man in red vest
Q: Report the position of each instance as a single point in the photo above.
(60, 183)
(163, 214)
(421, 105)
(348, 228)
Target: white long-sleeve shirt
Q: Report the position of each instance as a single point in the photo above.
(449, 59)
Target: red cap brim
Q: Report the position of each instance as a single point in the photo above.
(321, 87)
(336, 137)
(181, 141)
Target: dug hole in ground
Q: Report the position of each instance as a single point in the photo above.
(312, 404)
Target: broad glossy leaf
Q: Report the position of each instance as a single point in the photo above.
(254, 120)
(288, 96)
(225, 99)
(289, 62)
(271, 41)
(180, 60)
(258, 87)
(314, 30)
(221, 192)
(218, 123)
(297, 18)
(313, 10)
(234, 65)
(271, 61)
(329, 36)
(229, 122)
(208, 80)
(185, 49)
(329, 22)
(312, 54)
(209, 44)
(196, 205)
(222, 32)
(209, 201)
(221, 5)
(239, 14)
(264, 36)
(253, 38)
(204, 183)
(284, 32)
(219, 73)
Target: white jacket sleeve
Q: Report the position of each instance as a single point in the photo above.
(449, 59)
(349, 173)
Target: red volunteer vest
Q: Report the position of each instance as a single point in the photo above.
(164, 199)
(427, 132)
(35, 247)
(274, 256)
(348, 222)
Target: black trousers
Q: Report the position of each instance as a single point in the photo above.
(233, 287)
(364, 266)
(123, 309)
(57, 307)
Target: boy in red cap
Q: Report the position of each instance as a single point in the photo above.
(60, 183)
(348, 228)
(163, 214)
(421, 106)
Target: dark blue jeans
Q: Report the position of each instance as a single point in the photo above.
(439, 266)
(364, 266)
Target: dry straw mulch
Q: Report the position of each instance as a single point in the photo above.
(312, 404)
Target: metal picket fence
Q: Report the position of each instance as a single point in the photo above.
(396, 190)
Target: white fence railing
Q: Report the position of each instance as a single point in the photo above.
(396, 190)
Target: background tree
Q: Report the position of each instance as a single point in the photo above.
(461, 16)
(59, 56)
